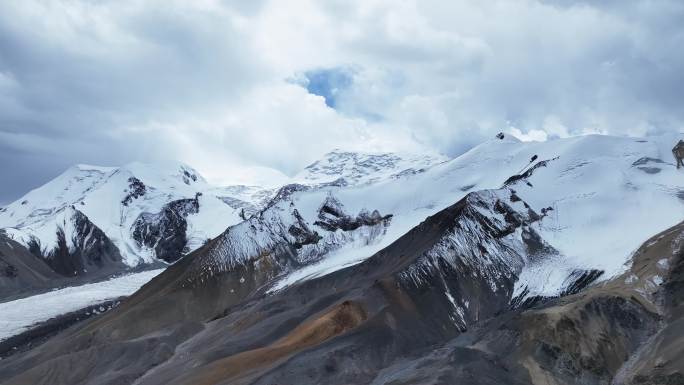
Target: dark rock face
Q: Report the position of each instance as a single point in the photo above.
(165, 231)
(649, 165)
(331, 217)
(580, 279)
(136, 189)
(528, 173)
(285, 192)
(188, 176)
(302, 233)
(88, 252)
(93, 250)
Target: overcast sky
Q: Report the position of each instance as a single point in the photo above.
(234, 88)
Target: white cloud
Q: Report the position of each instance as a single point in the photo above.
(206, 82)
(529, 136)
(279, 126)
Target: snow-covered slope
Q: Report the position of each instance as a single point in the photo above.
(22, 314)
(599, 195)
(137, 206)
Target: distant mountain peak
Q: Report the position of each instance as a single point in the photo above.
(90, 167)
(123, 200)
(365, 167)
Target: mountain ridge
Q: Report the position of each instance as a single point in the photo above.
(148, 213)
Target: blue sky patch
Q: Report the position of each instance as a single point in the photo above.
(328, 83)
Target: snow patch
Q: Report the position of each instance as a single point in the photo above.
(663, 264)
(20, 315)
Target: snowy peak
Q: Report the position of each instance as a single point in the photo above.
(71, 245)
(139, 207)
(364, 168)
(90, 167)
(168, 174)
(80, 181)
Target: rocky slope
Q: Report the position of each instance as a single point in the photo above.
(622, 331)
(19, 269)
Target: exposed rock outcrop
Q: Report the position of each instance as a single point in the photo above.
(136, 189)
(331, 217)
(165, 231)
(82, 248)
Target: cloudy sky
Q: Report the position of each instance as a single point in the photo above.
(239, 89)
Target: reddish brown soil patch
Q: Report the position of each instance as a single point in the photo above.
(335, 321)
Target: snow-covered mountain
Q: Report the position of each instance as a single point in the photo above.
(146, 211)
(599, 197)
(93, 218)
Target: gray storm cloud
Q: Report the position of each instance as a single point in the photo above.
(211, 83)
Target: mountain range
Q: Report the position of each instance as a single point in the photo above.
(556, 262)
(91, 222)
